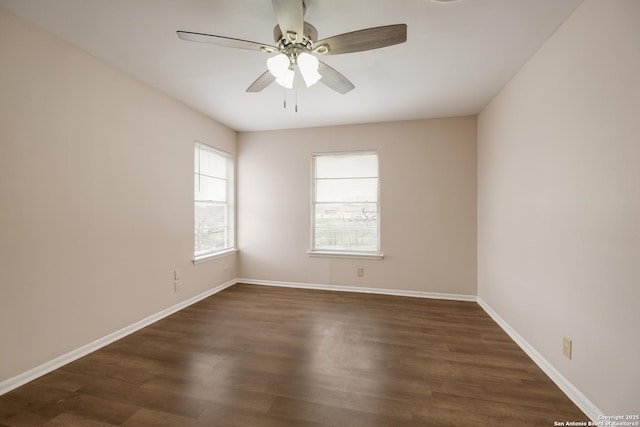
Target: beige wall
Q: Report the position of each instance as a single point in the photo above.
(559, 202)
(427, 196)
(96, 195)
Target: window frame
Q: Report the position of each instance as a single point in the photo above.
(230, 244)
(343, 253)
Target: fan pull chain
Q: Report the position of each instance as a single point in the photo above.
(284, 97)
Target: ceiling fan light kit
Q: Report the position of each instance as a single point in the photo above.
(297, 44)
(282, 67)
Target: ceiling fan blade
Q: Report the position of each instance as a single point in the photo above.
(261, 82)
(290, 15)
(334, 79)
(367, 39)
(226, 41)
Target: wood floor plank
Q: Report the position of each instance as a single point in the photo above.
(149, 418)
(303, 411)
(66, 420)
(226, 416)
(265, 356)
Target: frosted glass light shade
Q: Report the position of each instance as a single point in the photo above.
(280, 67)
(308, 65)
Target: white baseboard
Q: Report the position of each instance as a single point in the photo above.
(381, 291)
(30, 375)
(569, 389)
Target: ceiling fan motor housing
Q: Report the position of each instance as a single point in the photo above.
(310, 36)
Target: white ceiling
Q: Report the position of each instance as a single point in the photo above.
(457, 57)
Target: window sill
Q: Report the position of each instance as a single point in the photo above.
(216, 255)
(355, 255)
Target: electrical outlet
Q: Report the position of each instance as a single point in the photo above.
(360, 271)
(567, 345)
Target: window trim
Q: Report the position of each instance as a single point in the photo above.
(231, 211)
(215, 255)
(328, 253)
(344, 254)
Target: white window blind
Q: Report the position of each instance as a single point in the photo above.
(213, 201)
(345, 215)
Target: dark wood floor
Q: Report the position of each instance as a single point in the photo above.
(263, 356)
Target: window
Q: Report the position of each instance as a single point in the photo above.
(213, 201)
(345, 211)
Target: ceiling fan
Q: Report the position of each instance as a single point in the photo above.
(296, 44)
